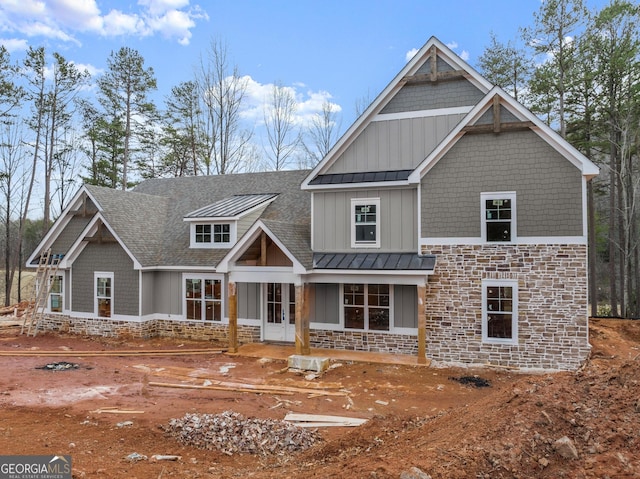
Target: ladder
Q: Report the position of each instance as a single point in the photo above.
(45, 274)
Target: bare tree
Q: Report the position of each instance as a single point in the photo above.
(222, 90)
(12, 176)
(279, 111)
(322, 133)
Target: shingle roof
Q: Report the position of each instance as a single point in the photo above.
(150, 219)
(374, 261)
(231, 206)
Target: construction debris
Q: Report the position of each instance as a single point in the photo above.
(233, 433)
(59, 366)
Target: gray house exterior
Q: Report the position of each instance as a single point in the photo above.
(447, 223)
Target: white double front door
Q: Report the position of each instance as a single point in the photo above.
(279, 318)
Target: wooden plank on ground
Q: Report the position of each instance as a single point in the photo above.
(316, 418)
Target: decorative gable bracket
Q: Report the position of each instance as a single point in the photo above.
(498, 126)
(434, 76)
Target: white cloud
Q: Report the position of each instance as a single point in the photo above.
(308, 102)
(62, 19)
(464, 55)
(14, 44)
(410, 54)
(160, 7)
(453, 45)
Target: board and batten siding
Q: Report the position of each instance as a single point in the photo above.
(398, 220)
(399, 144)
(548, 187)
(162, 293)
(405, 306)
(109, 257)
(248, 295)
(325, 303)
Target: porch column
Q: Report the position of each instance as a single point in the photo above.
(422, 325)
(303, 346)
(233, 318)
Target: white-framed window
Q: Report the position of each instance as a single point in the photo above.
(366, 306)
(103, 305)
(500, 311)
(365, 222)
(203, 233)
(56, 293)
(213, 235)
(498, 217)
(203, 297)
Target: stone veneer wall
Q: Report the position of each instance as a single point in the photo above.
(364, 341)
(197, 330)
(552, 304)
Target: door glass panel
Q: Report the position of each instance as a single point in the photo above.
(274, 303)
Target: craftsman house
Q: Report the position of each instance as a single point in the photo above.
(447, 223)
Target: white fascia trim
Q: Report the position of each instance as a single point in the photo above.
(522, 240)
(59, 225)
(211, 219)
(382, 99)
(203, 268)
(80, 244)
(261, 276)
(381, 277)
(407, 115)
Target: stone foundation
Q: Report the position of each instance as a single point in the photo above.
(552, 304)
(364, 341)
(196, 330)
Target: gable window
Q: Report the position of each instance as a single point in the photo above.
(212, 235)
(500, 311)
(366, 306)
(103, 294)
(203, 233)
(55, 294)
(203, 298)
(222, 233)
(365, 222)
(498, 217)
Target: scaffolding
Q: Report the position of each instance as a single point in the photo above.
(44, 280)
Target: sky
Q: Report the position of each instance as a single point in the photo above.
(343, 51)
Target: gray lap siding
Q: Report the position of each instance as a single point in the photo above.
(106, 257)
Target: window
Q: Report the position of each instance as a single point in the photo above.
(203, 299)
(55, 294)
(222, 233)
(499, 311)
(203, 233)
(212, 235)
(104, 294)
(498, 217)
(365, 223)
(366, 306)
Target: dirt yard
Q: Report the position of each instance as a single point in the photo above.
(108, 408)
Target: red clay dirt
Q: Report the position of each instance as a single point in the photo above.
(417, 416)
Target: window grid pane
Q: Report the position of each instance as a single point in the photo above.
(498, 216)
(203, 233)
(221, 233)
(365, 223)
(499, 312)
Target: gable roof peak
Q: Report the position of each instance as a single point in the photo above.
(429, 52)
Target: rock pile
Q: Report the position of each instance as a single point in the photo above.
(233, 433)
